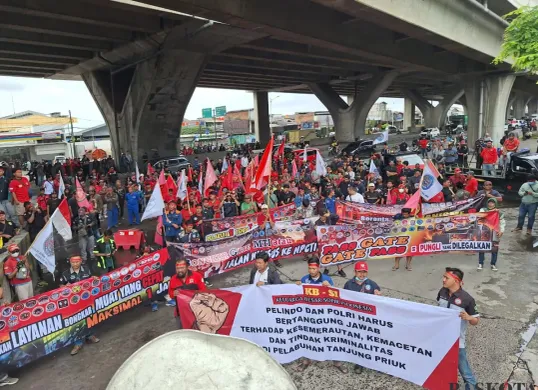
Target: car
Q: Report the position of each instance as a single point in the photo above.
(430, 133)
(359, 148)
(173, 164)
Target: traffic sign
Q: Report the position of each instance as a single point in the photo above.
(220, 111)
(207, 113)
(206, 130)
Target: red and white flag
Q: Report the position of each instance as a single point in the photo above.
(210, 177)
(61, 187)
(150, 171)
(61, 220)
(264, 169)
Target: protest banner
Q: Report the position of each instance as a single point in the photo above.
(288, 239)
(408, 340)
(351, 212)
(47, 322)
(225, 228)
(408, 237)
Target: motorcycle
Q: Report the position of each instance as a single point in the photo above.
(334, 151)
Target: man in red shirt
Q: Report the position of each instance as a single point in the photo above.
(471, 184)
(457, 178)
(17, 270)
(184, 279)
(423, 144)
(489, 159)
(19, 187)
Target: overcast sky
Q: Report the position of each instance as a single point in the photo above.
(46, 96)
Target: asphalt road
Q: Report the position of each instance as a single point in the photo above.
(497, 347)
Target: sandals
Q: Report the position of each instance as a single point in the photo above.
(343, 369)
(408, 267)
(395, 268)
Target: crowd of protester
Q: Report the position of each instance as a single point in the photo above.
(115, 198)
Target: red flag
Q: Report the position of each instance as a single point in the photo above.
(150, 171)
(293, 170)
(171, 184)
(158, 239)
(190, 174)
(280, 151)
(210, 177)
(237, 177)
(80, 196)
(257, 157)
(164, 186)
(248, 175)
(389, 196)
(413, 202)
(264, 169)
(229, 179)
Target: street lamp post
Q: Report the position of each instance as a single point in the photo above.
(271, 108)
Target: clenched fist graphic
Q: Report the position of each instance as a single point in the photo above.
(210, 312)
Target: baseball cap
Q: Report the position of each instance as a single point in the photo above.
(264, 206)
(371, 185)
(361, 266)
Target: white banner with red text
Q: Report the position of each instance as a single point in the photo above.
(408, 340)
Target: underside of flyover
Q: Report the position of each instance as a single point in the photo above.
(143, 63)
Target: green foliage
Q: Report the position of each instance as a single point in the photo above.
(520, 42)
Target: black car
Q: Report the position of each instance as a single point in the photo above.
(359, 148)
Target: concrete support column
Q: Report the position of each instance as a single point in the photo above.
(511, 100)
(434, 116)
(143, 106)
(496, 96)
(472, 104)
(262, 128)
(532, 106)
(409, 115)
(520, 106)
(350, 119)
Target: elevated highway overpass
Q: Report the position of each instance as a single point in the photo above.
(142, 62)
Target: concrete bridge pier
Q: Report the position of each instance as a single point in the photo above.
(434, 116)
(520, 105)
(532, 106)
(262, 128)
(495, 100)
(350, 119)
(409, 115)
(144, 105)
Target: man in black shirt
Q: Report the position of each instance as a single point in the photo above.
(371, 195)
(52, 204)
(286, 196)
(35, 217)
(392, 172)
(343, 187)
(448, 194)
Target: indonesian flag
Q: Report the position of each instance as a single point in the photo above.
(43, 247)
(429, 185)
(182, 186)
(61, 220)
(80, 196)
(150, 171)
(210, 177)
(264, 169)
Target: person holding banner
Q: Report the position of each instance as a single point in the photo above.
(452, 296)
(75, 274)
(17, 270)
(183, 279)
(361, 283)
(406, 213)
(316, 277)
(262, 274)
(492, 206)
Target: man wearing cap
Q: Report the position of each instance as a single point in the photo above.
(361, 283)
(457, 177)
(471, 184)
(371, 195)
(17, 270)
(74, 274)
(262, 274)
(452, 296)
(172, 220)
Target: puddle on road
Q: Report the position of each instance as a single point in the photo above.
(526, 337)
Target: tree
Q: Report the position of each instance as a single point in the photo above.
(520, 41)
